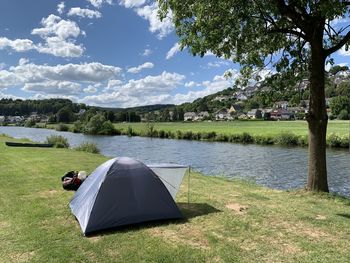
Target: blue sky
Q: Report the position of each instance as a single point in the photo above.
(113, 53)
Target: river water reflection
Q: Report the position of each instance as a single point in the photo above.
(272, 166)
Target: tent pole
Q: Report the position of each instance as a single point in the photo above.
(188, 185)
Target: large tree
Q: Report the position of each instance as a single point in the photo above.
(292, 35)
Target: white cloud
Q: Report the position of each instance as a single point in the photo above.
(23, 61)
(344, 52)
(31, 73)
(59, 36)
(147, 52)
(99, 3)
(148, 90)
(219, 82)
(159, 89)
(340, 20)
(114, 82)
(81, 12)
(132, 3)
(41, 96)
(218, 64)
(60, 8)
(175, 49)
(19, 45)
(9, 96)
(141, 67)
(53, 87)
(60, 48)
(54, 25)
(2, 65)
(150, 13)
(90, 89)
(192, 84)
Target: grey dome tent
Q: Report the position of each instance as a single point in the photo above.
(124, 191)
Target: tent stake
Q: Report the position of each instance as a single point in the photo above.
(188, 185)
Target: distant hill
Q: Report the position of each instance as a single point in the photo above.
(139, 109)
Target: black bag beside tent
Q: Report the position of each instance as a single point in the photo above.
(70, 181)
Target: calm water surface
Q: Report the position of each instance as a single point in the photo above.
(272, 166)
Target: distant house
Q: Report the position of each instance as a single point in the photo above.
(266, 113)
(15, 119)
(296, 110)
(190, 116)
(281, 114)
(81, 112)
(254, 114)
(281, 104)
(202, 115)
(239, 95)
(221, 98)
(2, 119)
(223, 115)
(234, 109)
(242, 117)
(249, 91)
(35, 117)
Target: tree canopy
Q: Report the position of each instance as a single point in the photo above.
(290, 37)
(250, 32)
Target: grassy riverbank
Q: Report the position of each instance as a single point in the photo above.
(286, 133)
(266, 128)
(226, 221)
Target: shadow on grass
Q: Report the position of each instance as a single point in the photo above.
(188, 210)
(344, 215)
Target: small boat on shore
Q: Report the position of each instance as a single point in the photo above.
(27, 144)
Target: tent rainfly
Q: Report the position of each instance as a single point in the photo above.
(124, 191)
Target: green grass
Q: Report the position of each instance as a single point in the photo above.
(226, 221)
(269, 128)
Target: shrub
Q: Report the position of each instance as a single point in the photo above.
(345, 142)
(61, 127)
(178, 134)
(343, 115)
(234, 138)
(150, 132)
(170, 134)
(247, 138)
(264, 140)
(221, 138)
(208, 135)
(333, 140)
(29, 123)
(58, 141)
(107, 128)
(303, 141)
(162, 134)
(130, 131)
(286, 138)
(187, 135)
(88, 147)
(77, 127)
(94, 126)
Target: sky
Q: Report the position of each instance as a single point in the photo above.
(111, 53)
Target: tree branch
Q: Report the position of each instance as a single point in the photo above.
(298, 19)
(288, 31)
(341, 43)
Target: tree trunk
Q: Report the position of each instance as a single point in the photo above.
(317, 121)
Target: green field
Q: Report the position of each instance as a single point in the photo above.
(225, 221)
(234, 127)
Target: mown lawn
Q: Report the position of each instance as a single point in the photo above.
(237, 127)
(226, 221)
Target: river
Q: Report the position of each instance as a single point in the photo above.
(271, 166)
